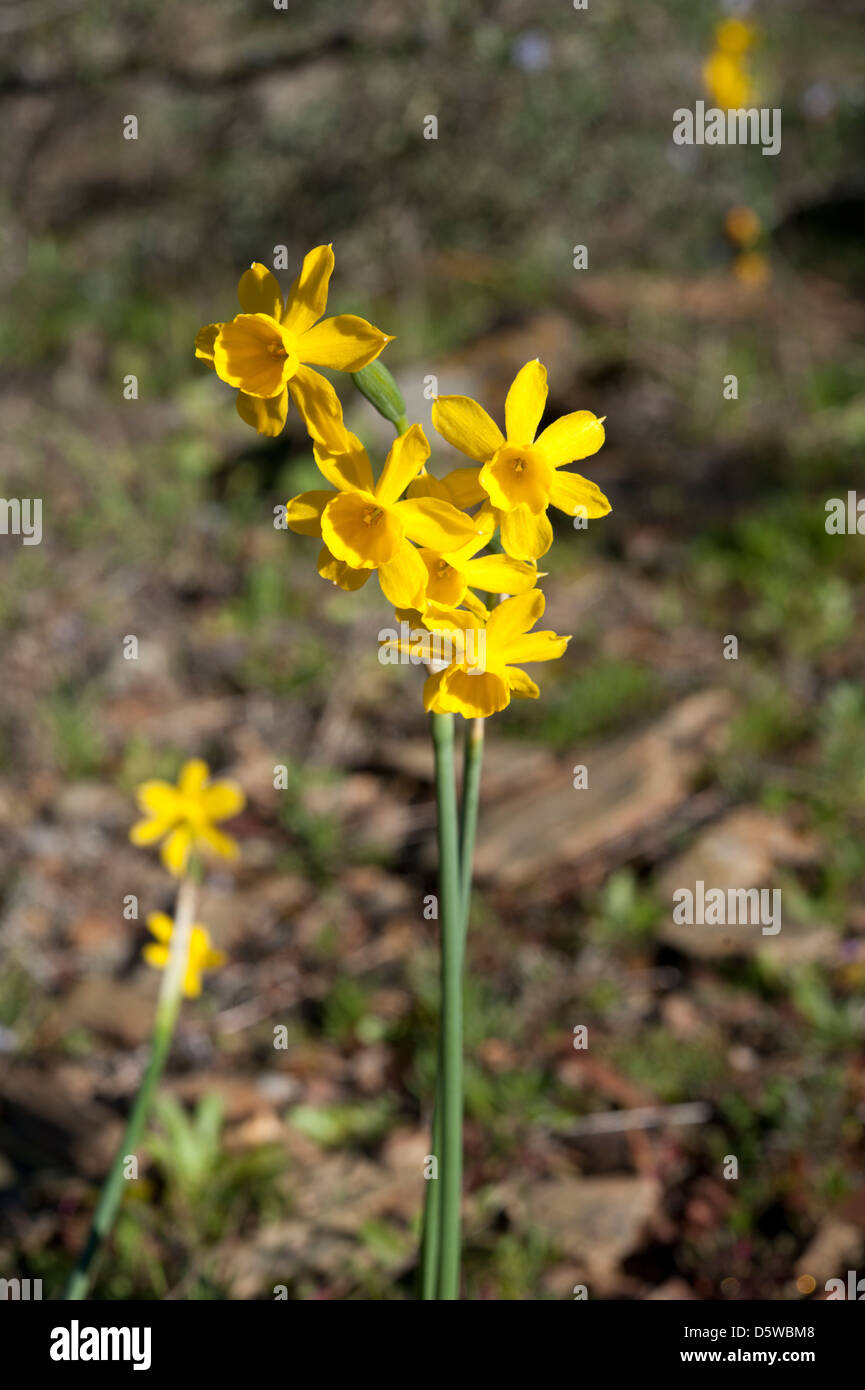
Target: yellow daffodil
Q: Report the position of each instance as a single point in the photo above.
(269, 351)
(202, 955)
(519, 474)
(477, 686)
(366, 527)
(184, 816)
(452, 576)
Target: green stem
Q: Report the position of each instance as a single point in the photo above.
(431, 1235)
(167, 1010)
(451, 1078)
(473, 758)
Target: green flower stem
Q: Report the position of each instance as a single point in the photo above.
(167, 1010)
(431, 1231)
(451, 1078)
(473, 758)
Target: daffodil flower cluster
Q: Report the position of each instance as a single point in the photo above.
(431, 541)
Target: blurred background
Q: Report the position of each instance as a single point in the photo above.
(301, 1166)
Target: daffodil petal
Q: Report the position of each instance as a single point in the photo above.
(319, 408)
(434, 524)
(467, 426)
(514, 617)
(464, 486)
(339, 573)
(193, 775)
(157, 956)
(345, 342)
(218, 842)
(526, 535)
(204, 340)
(147, 832)
(307, 298)
(431, 690)
(265, 414)
(524, 404)
(578, 496)
(161, 925)
(175, 851)
(349, 469)
(403, 578)
(499, 574)
(520, 684)
(222, 800)
(426, 485)
(259, 292)
(158, 798)
(407, 456)
(192, 981)
(572, 437)
(303, 513)
(534, 646)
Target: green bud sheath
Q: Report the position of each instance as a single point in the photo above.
(376, 383)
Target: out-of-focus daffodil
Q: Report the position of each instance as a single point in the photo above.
(519, 474)
(366, 527)
(734, 36)
(184, 816)
(743, 226)
(726, 81)
(270, 350)
(752, 269)
(202, 954)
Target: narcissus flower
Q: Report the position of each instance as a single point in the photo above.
(366, 527)
(184, 817)
(202, 955)
(520, 474)
(477, 688)
(269, 351)
(452, 576)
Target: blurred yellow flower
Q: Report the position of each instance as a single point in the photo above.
(477, 693)
(734, 36)
(366, 527)
(184, 816)
(269, 351)
(752, 269)
(202, 955)
(726, 81)
(519, 473)
(742, 226)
